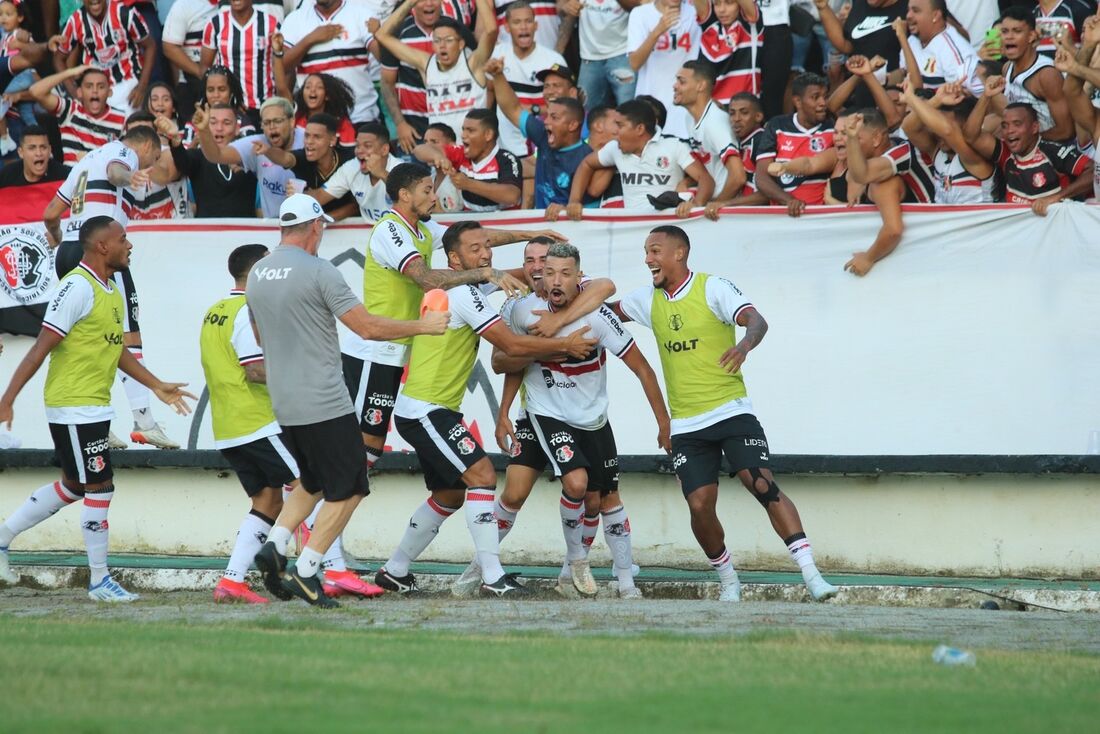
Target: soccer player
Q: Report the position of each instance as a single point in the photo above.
(566, 409)
(427, 414)
(93, 188)
(694, 317)
(294, 299)
(82, 333)
(396, 273)
(248, 436)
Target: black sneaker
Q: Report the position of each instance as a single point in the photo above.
(401, 584)
(506, 585)
(272, 565)
(308, 588)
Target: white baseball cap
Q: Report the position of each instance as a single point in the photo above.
(299, 209)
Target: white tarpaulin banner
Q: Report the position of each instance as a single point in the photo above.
(980, 335)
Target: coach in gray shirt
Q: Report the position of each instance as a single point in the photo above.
(294, 298)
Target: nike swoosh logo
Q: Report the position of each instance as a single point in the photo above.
(869, 26)
(311, 595)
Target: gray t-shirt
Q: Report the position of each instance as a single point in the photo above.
(295, 299)
(272, 177)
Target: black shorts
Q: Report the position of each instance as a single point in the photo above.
(330, 457)
(697, 456)
(373, 389)
(265, 462)
(444, 447)
(568, 448)
(526, 451)
(82, 451)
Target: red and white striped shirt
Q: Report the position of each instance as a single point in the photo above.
(81, 132)
(735, 53)
(913, 167)
(112, 43)
(246, 50)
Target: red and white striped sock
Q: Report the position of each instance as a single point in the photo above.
(42, 503)
(590, 525)
(93, 523)
(506, 518)
(481, 521)
(723, 564)
(571, 511)
(423, 527)
(251, 535)
(802, 554)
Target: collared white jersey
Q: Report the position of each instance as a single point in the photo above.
(371, 197)
(956, 185)
(452, 93)
(712, 143)
(1016, 91)
(947, 58)
(520, 74)
(574, 391)
(658, 169)
(89, 193)
(672, 50)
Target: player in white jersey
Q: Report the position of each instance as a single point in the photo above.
(454, 77)
(364, 176)
(960, 174)
(709, 135)
(94, 187)
(649, 165)
(566, 406)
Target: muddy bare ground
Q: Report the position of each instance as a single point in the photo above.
(972, 628)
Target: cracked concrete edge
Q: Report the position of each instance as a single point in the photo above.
(167, 580)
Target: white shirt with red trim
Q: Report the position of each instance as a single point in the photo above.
(73, 302)
(345, 57)
(947, 58)
(80, 132)
(574, 391)
(712, 143)
(369, 195)
(547, 22)
(658, 169)
(185, 23)
(520, 74)
(89, 193)
(726, 302)
(112, 44)
(246, 50)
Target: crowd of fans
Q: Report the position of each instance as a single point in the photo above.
(560, 106)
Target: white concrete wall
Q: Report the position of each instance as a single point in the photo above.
(946, 525)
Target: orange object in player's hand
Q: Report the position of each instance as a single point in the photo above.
(435, 300)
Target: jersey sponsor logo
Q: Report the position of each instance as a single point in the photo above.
(466, 446)
(526, 434)
(678, 461)
(563, 454)
(869, 25)
(613, 322)
(373, 417)
(215, 320)
(26, 263)
(687, 345)
(756, 442)
(273, 273)
(455, 432)
(629, 178)
(382, 400)
(96, 447)
(561, 437)
(96, 464)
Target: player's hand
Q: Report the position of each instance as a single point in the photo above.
(577, 345)
(994, 85)
(506, 435)
(1041, 205)
(859, 65)
(669, 20)
(54, 43)
(548, 324)
(407, 136)
(494, 66)
(949, 95)
(506, 282)
(261, 147)
(733, 358)
(795, 207)
(860, 264)
(435, 323)
(664, 434)
(574, 210)
(7, 414)
(777, 169)
(173, 394)
(327, 32)
(140, 179)
(683, 209)
(901, 29)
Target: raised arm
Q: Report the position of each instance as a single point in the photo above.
(42, 90)
(834, 29)
(638, 57)
(486, 30)
(387, 36)
(506, 97)
(429, 279)
(984, 143)
(220, 154)
(941, 126)
(912, 68)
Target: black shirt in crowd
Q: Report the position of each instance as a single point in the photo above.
(220, 190)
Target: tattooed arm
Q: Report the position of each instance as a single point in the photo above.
(755, 328)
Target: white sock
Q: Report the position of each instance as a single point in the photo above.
(42, 503)
(482, 524)
(616, 532)
(138, 395)
(571, 511)
(723, 564)
(506, 518)
(589, 527)
(334, 556)
(373, 455)
(308, 562)
(566, 572)
(251, 535)
(423, 527)
(280, 536)
(803, 555)
(93, 523)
